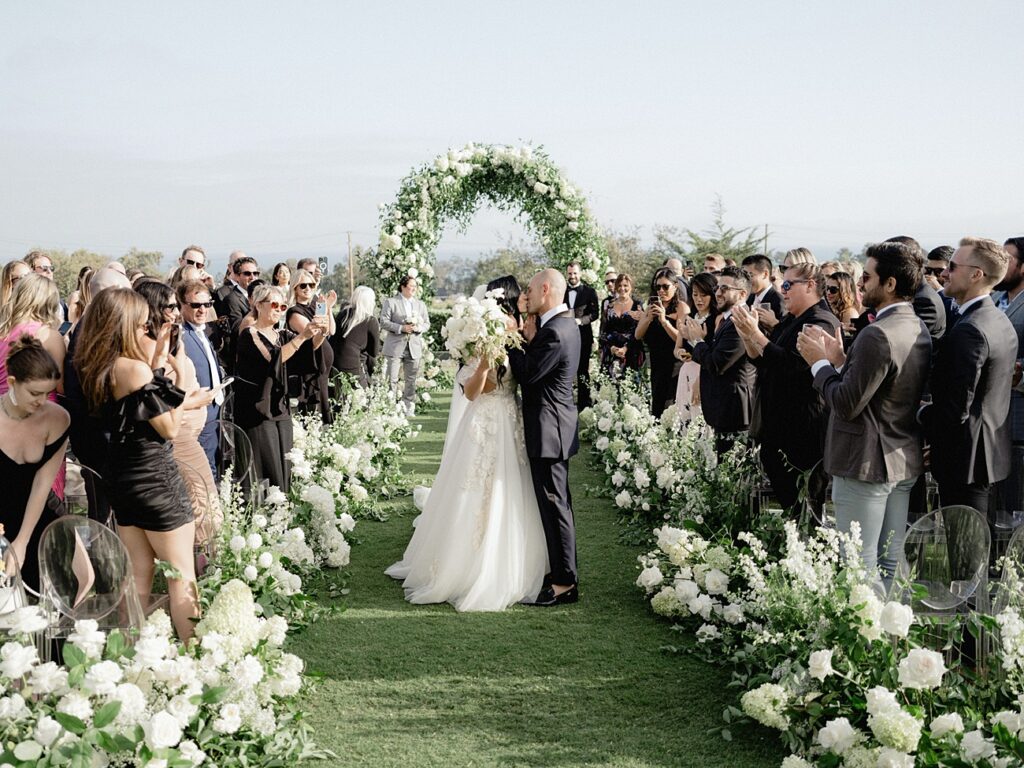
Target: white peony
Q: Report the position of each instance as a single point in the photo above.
(820, 664)
(650, 577)
(163, 731)
(922, 669)
(686, 590)
(896, 618)
(17, 659)
(716, 582)
(732, 613)
(943, 724)
(838, 736)
(974, 747)
(892, 758)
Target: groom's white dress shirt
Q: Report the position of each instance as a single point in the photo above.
(551, 313)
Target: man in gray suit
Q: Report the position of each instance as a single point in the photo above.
(873, 444)
(404, 318)
(1012, 287)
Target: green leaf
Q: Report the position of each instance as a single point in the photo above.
(105, 715)
(70, 723)
(214, 695)
(727, 734)
(73, 656)
(116, 645)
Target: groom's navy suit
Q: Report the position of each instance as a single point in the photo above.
(545, 370)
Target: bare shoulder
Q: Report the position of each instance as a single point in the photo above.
(57, 419)
(130, 375)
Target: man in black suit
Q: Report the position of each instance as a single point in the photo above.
(789, 419)
(726, 374)
(966, 422)
(232, 304)
(582, 301)
(545, 368)
(763, 295)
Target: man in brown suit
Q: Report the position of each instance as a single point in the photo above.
(873, 444)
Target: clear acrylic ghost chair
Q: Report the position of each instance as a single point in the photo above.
(1009, 590)
(206, 509)
(12, 589)
(235, 453)
(85, 573)
(943, 567)
(85, 495)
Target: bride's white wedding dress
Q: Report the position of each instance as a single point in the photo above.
(479, 543)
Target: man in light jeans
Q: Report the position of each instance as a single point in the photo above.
(873, 443)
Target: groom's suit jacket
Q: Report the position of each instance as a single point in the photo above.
(545, 369)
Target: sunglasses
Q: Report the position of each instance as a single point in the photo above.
(306, 286)
(168, 307)
(934, 271)
(193, 263)
(251, 274)
(723, 287)
(43, 269)
(787, 284)
(609, 282)
(953, 266)
(833, 289)
(200, 304)
(276, 304)
(662, 286)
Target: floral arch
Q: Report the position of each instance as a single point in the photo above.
(520, 179)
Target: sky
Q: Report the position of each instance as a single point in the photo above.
(278, 128)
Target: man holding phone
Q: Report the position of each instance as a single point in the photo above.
(199, 337)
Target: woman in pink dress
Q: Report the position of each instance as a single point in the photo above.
(34, 309)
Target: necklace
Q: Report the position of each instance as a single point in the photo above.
(8, 414)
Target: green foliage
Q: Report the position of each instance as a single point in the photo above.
(689, 246)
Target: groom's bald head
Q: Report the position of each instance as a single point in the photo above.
(545, 292)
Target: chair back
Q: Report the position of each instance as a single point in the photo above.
(944, 563)
(12, 589)
(85, 494)
(1009, 592)
(236, 454)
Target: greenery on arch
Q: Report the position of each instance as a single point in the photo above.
(521, 180)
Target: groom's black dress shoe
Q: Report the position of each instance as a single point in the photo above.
(547, 598)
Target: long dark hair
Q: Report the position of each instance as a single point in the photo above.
(668, 274)
(708, 285)
(156, 294)
(509, 303)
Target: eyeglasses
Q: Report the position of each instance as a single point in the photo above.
(41, 268)
(200, 304)
(662, 287)
(609, 282)
(169, 307)
(275, 304)
(306, 286)
(832, 289)
(935, 271)
(953, 267)
(787, 284)
(193, 263)
(724, 287)
(251, 274)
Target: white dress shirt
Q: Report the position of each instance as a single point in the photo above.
(560, 309)
(211, 359)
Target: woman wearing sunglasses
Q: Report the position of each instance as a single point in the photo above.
(261, 385)
(657, 328)
(841, 294)
(310, 371)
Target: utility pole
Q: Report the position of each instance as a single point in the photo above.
(766, 241)
(351, 267)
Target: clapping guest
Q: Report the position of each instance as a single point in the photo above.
(764, 300)
(657, 328)
(310, 370)
(143, 411)
(789, 417)
(702, 295)
(13, 272)
(619, 348)
(33, 438)
(357, 340)
(261, 386)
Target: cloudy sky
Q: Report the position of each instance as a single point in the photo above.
(279, 127)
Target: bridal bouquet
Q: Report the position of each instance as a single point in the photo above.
(477, 329)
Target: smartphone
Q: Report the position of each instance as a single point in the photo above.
(654, 300)
(223, 385)
(175, 335)
(321, 308)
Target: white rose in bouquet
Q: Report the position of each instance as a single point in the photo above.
(896, 618)
(974, 747)
(819, 666)
(650, 577)
(477, 329)
(922, 669)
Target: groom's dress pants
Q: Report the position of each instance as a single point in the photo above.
(551, 484)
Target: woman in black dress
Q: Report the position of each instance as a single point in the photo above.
(261, 382)
(33, 438)
(620, 349)
(658, 329)
(143, 411)
(309, 373)
(357, 342)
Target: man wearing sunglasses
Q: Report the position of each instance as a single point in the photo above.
(609, 285)
(1012, 294)
(232, 303)
(200, 338)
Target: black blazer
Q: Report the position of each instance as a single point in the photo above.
(788, 412)
(545, 369)
(773, 299)
(587, 310)
(726, 379)
(231, 307)
(928, 306)
(967, 422)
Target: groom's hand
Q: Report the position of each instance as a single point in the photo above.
(529, 327)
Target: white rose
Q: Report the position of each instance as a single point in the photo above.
(943, 724)
(623, 499)
(701, 605)
(601, 443)
(686, 590)
(892, 758)
(1011, 721)
(162, 731)
(604, 424)
(47, 730)
(716, 582)
(18, 659)
(732, 613)
(650, 577)
(896, 618)
(838, 736)
(974, 747)
(820, 664)
(922, 669)
(191, 751)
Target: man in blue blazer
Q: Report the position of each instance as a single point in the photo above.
(200, 339)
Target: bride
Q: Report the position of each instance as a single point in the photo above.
(479, 543)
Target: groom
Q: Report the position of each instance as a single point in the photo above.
(545, 370)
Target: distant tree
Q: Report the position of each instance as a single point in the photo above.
(147, 261)
(518, 259)
(689, 246)
(454, 275)
(66, 266)
(626, 253)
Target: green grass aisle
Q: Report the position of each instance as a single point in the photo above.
(584, 685)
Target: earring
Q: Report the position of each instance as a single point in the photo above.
(10, 392)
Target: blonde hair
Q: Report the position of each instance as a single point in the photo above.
(800, 255)
(109, 330)
(7, 280)
(264, 292)
(35, 299)
(993, 259)
(299, 276)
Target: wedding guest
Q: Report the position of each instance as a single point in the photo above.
(185, 274)
(657, 329)
(609, 285)
(873, 443)
(357, 340)
(828, 267)
(703, 288)
(682, 286)
(193, 256)
(799, 255)
(764, 300)
(261, 384)
(582, 301)
(76, 300)
(189, 455)
(42, 264)
(927, 304)
(310, 370)
(935, 266)
(405, 319)
(201, 341)
(312, 266)
(231, 301)
(714, 263)
(620, 350)
(34, 309)
(1012, 286)
(33, 439)
(841, 297)
(281, 276)
(143, 413)
(726, 375)
(13, 272)
(789, 417)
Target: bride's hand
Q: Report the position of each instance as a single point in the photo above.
(511, 324)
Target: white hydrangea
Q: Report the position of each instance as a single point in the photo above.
(767, 704)
(896, 728)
